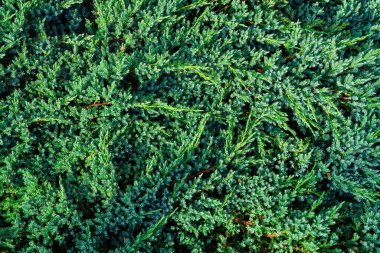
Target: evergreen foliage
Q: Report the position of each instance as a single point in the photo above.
(189, 126)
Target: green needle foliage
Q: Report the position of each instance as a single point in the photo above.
(189, 126)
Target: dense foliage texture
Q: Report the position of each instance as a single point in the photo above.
(189, 126)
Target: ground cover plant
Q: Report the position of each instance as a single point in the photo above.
(189, 126)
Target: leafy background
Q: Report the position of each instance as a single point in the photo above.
(189, 126)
